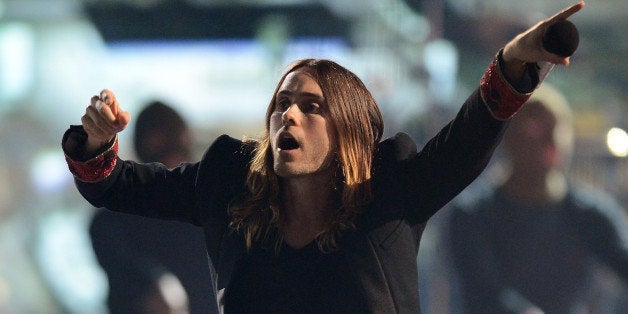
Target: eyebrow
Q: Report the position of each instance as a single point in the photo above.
(302, 94)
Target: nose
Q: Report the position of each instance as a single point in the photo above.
(289, 116)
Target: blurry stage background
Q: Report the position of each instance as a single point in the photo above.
(217, 62)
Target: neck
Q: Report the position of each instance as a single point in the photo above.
(305, 200)
(307, 195)
(535, 189)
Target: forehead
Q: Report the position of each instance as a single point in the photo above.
(300, 80)
(539, 112)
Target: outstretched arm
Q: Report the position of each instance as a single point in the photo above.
(452, 159)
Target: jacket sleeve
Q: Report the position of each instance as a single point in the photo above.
(151, 189)
(457, 155)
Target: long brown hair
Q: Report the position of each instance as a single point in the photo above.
(358, 123)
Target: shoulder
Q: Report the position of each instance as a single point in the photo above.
(476, 200)
(593, 202)
(225, 143)
(598, 216)
(398, 147)
(228, 148)
(226, 159)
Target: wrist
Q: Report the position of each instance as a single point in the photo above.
(500, 96)
(513, 68)
(93, 145)
(94, 168)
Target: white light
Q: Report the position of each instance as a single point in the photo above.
(49, 171)
(72, 273)
(16, 55)
(440, 58)
(617, 142)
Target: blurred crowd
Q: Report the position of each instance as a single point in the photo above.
(567, 234)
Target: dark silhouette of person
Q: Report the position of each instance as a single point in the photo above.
(154, 266)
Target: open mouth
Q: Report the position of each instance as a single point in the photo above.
(287, 142)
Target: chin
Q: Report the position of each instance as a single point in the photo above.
(288, 172)
(283, 171)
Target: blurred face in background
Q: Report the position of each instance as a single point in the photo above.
(538, 140)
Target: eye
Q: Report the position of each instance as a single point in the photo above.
(312, 108)
(282, 104)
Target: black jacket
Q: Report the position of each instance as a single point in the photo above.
(409, 187)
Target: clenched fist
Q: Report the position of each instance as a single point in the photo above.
(103, 119)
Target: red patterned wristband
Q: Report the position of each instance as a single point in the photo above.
(97, 168)
(500, 97)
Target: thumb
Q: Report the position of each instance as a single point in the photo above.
(122, 120)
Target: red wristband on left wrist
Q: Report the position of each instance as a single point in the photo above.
(97, 168)
(500, 97)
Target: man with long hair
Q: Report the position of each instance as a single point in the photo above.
(320, 215)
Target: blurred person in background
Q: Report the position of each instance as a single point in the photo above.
(534, 241)
(319, 205)
(154, 266)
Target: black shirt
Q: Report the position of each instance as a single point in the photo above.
(303, 280)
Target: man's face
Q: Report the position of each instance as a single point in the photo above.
(534, 144)
(300, 134)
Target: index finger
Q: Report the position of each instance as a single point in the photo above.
(100, 108)
(109, 98)
(564, 14)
